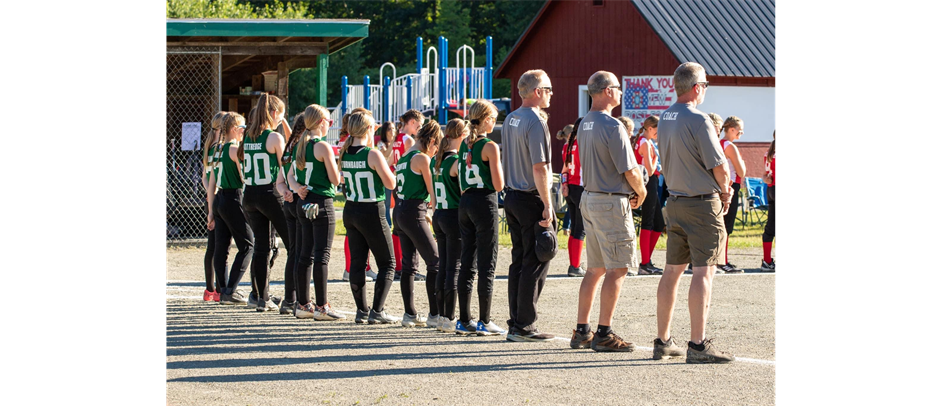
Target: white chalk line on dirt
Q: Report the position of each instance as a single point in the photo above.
(558, 337)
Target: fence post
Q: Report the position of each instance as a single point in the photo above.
(418, 53)
(366, 92)
(386, 112)
(441, 80)
(343, 96)
(409, 93)
(489, 71)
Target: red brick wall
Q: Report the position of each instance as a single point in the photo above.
(752, 153)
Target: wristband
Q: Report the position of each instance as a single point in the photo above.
(564, 178)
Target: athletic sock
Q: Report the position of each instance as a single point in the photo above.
(645, 242)
(654, 237)
(575, 251)
(698, 347)
(767, 252)
(582, 328)
(398, 252)
(604, 331)
(346, 254)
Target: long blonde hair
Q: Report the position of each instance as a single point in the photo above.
(213, 138)
(649, 122)
(260, 118)
(479, 111)
(731, 122)
(359, 125)
(428, 136)
(456, 128)
(313, 115)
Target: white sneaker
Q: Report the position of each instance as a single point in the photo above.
(447, 325)
(409, 320)
(305, 311)
(433, 321)
(325, 313)
(489, 329)
(346, 276)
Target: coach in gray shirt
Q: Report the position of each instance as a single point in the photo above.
(526, 161)
(697, 178)
(610, 173)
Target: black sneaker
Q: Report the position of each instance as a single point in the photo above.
(666, 350)
(419, 277)
(730, 268)
(286, 307)
(581, 340)
(535, 336)
(381, 318)
(362, 316)
(398, 276)
(252, 301)
(768, 267)
(649, 269)
(709, 355)
(611, 343)
(576, 271)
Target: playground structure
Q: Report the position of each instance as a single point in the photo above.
(432, 93)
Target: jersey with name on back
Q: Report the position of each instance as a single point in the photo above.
(410, 185)
(447, 190)
(362, 183)
(260, 166)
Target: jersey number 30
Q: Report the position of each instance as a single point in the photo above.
(354, 187)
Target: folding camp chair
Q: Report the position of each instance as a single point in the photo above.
(755, 203)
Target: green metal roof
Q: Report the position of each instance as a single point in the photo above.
(268, 28)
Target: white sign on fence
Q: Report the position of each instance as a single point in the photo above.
(191, 136)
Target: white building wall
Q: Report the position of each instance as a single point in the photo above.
(754, 105)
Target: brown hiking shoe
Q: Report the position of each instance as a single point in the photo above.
(611, 343)
(669, 349)
(709, 355)
(581, 340)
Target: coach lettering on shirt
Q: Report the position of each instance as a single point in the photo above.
(526, 162)
(697, 178)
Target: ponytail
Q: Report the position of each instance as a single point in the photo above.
(428, 136)
(456, 128)
(731, 121)
(360, 125)
(213, 138)
(260, 118)
(479, 111)
(311, 117)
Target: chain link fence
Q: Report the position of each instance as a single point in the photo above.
(193, 96)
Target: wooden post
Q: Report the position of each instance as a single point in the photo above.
(282, 91)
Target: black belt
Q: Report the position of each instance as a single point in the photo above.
(529, 192)
(697, 197)
(610, 193)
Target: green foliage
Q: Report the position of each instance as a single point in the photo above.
(394, 26)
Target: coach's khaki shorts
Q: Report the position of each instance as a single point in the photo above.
(695, 231)
(609, 231)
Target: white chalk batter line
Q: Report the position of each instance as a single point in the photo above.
(557, 336)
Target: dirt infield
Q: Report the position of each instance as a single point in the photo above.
(219, 354)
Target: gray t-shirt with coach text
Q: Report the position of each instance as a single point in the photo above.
(605, 153)
(525, 141)
(689, 151)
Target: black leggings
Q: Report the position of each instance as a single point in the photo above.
(231, 225)
(477, 220)
(448, 234)
(317, 237)
(652, 218)
(208, 263)
(367, 230)
(527, 274)
(263, 209)
(294, 234)
(576, 226)
(769, 233)
(730, 218)
(415, 234)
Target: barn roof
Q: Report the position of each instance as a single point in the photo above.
(727, 37)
